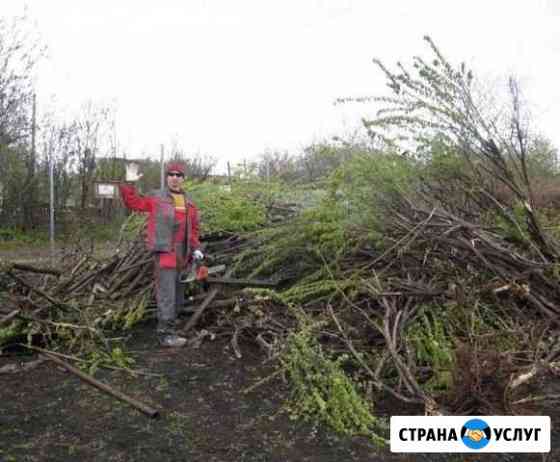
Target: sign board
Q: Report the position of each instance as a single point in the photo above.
(106, 191)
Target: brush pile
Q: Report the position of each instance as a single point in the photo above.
(79, 304)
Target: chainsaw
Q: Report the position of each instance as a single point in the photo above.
(199, 272)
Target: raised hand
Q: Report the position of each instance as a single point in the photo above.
(132, 173)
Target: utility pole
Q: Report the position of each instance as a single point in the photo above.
(162, 169)
(51, 204)
(29, 195)
(33, 135)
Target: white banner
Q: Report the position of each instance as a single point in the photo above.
(470, 434)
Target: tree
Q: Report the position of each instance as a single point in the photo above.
(320, 159)
(543, 157)
(435, 99)
(87, 132)
(56, 145)
(276, 164)
(20, 51)
(199, 166)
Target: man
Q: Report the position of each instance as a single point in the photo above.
(172, 234)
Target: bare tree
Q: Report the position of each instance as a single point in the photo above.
(199, 166)
(87, 132)
(278, 164)
(20, 51)
(55, 144)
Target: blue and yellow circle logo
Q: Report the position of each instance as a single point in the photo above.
(475, 434)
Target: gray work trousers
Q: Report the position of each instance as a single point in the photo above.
(170, 297)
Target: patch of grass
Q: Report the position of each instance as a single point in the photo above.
(14, 238)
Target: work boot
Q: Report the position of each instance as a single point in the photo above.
(172, 340)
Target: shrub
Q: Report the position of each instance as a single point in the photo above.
(226, 208)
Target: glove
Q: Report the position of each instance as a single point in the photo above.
(198, 255)
(132, 174)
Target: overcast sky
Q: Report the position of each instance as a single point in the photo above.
(235, 78)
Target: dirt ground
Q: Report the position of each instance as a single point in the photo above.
(47, 414)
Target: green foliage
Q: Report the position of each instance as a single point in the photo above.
(367, 183)
(322, 230)
(443, 163)
(321, 391)
(321, 159)
(100, 232)
(438, 330)
(491, 322)
(324, 227)
(315, 287)
(127, 316)
(117, 357)
(347, 212)
(133, 226)
(17, 236)
(431, 99)
(514, 229)
(109, 169)
(226, 208)
(136, 314)
(10, 332)
(542, 158)
(302, 244)
(432, 344)
(438, 106)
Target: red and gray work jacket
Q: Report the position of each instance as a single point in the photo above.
(171, 233)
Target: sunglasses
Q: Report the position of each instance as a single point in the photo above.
(178, 175)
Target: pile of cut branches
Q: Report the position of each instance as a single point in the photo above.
(75, 300)
(429, 286)
(82, 302)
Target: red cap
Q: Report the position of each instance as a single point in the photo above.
(175, 167)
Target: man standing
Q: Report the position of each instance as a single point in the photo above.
(172, 235)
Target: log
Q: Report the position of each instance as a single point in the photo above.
(33, 269)
(198, 313)
(211, 295)
(149, 411)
